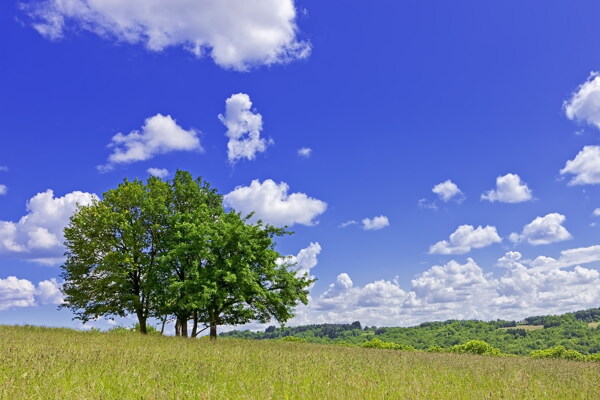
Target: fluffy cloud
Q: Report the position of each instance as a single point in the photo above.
(509, 189)
(3, 189)
(375, 223)
(466, 238)
(235, 33)
(160, 134)
(38, 236)
(158, 172)
(304, 152)
(464, 291)
(271, 203)
(585, 166)
(543, 230)
(16, 292)
(305, 260)
(584, 104)
(243, 128)
(448, 190)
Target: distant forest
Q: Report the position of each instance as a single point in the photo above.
(575, 331)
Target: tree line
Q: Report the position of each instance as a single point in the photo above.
(572, 331)
(171, 250)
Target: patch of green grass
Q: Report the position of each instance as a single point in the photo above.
(43, 363)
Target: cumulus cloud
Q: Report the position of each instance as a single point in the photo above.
(3, 189)
(38, 236)
(585, 167)
(509, 189)
(375, 223)
(306, 259)
(271, 203)
(463, 291)
(584, 104)
(16, 292)
(466, 238)
(159, 135)
(158, 172)
(236, 34)
(543, 230)
(448, 190)
(304, 152)
(243, 129)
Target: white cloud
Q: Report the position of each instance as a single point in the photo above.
(16, 292)
(158, 172)
(3, 168)
(585, 166)
(304, 152)
(427, 205)
(235, 33)
(347, 224)
(375, 223)
(543, 230)
(462, 291)
(159, 135)
(38, 235)
(448, 190)
(243, 128)
(272, 203)
(597, 212)
(3, 189)
(509, 189)
(466, 238)
(584, 104)
(305, 260)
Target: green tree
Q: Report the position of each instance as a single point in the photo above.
(243, 278)
(170, 250)
(113, 246)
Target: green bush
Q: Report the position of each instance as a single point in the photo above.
(593, 357)
(475, 347)
(380, 344)
(558, 352)
(293, 339)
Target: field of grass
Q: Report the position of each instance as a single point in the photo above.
(43, 363)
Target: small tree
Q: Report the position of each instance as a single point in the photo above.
(243, 279)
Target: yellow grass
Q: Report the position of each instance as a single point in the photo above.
(41, 363)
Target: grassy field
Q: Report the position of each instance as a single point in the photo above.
(42, 363)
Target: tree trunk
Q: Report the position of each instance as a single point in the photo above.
(142, 322)
(195, 328)
(184, 327)
(177, 327)
(213, 330)
(162, 328)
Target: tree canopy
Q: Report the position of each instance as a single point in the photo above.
(171, 250)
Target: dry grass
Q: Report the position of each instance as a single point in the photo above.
(40, 363)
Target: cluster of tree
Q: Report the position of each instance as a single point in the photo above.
(572, 332)
(170, 250)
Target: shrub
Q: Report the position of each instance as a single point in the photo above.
(593, 357)
(380, 344)
(475, 347)
(558, 352)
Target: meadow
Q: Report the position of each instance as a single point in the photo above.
(50, 363)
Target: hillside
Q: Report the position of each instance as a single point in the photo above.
(44, 363)
(577, 331)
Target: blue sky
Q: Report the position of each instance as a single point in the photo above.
(436, 159)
